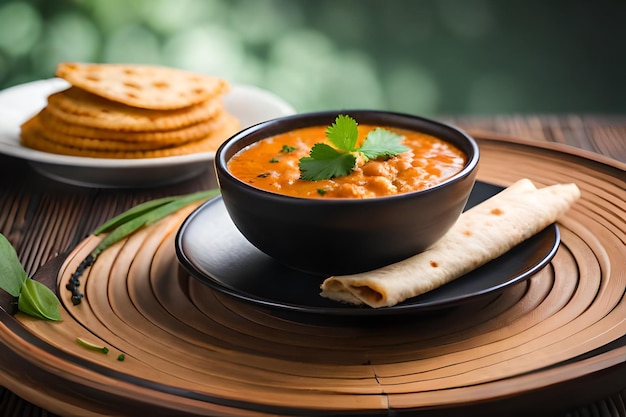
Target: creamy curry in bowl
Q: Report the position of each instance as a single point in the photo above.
(272, 164)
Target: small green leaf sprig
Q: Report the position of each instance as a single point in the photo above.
(325, 162)
(127, 223)
(92, 346)
(33, 298)
(98, 348)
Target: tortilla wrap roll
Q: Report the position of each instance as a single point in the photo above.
(481, 234)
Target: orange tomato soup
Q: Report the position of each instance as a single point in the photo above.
(272, 165)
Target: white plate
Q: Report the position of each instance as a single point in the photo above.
(249, 104)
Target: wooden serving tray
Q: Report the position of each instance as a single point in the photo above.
(550, 343)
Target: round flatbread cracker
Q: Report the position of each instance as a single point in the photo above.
(143, 86)
(38, 123)
(78, 107)
(64, 132)
(34, 137)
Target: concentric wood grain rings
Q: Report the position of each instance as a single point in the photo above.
(194, 351)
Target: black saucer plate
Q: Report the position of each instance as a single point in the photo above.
(212, 250)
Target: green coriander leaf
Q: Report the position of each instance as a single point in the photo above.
(39, 301)
(325, 162)
(382, 143)
(12, 274)
(287, 149)
(343, 133)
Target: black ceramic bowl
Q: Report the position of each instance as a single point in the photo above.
(344, 236)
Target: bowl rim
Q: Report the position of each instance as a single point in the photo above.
(220, 161)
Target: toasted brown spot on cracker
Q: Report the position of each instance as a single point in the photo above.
(434, 264)
(497, 212)
(132, 85)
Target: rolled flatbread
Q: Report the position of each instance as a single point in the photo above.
(481, 234)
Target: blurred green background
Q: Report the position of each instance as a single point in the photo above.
(429, 57)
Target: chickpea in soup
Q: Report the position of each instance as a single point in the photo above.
(272, 164)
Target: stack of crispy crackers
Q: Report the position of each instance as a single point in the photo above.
(131, 111)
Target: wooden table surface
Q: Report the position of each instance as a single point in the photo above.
(34, 210)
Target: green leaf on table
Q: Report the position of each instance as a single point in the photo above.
(37, 300)
(132, 213)
(148, 213)
(12, 274)
(129, 222)
(33, 298)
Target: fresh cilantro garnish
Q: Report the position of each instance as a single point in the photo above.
(287, 149)
(343, 133)
(381, 143)
(325, 162)
(274, 160)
